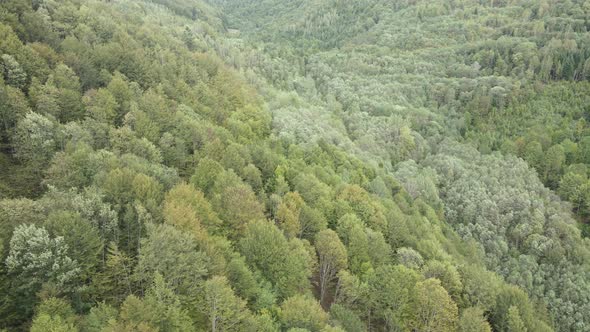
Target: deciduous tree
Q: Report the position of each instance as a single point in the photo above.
(332, 258)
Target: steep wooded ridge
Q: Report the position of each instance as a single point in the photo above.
(308, 165)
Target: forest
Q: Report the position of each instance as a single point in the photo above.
(297, 166)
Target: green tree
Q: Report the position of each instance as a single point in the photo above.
(571, 187)
(35, 259)
(167, 313)
(13, 107)
(332, 258)
(101, 105)
(47, 323)
(473, 320)
(288, 214)
(160, 310)
(391, 293)
(246, 285)
(346, 318)
(434, 308)
(513, 310)
(99, 318)
(379, 249)
(350, 229)
(584, 150)
(480, 287)
(266, 249)
(82, 238)
(65, 78)
(313, 191)
(34, 139)
(302, 312)
(187, 208)
(173, 255)
(366, 208)
(134, 316)
(14, 75)
(515, 323)
(255, 118)
(59, 312)
(410, 258)
(554, 162)
(236, 203)
(225, 311)
(205, 174)
(253, 177)
(46, 98)
(114, 282)
(533, 154)
(447, 274)
(68, 96)
(123, 94)
(312, 221)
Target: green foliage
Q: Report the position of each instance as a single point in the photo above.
(242, 278)
(54, 314)
(205, 174)
(302, 312)
(236, 203)
(472, 319)
(101, 105)
(167, 313)
(14, 75)
(447, 274)
(515, 323)
(283, 262)
(13, 107)
(391, 296)
(410, 258)
(480, 287)
(350, 230)
(45, 322)
(288, 214)
(188, 209)
(523, 233)
(81, 237)
(225, 311)
(35, 139)
(346, 318)
(114, 282)
(160, 310)
(34, 260)
(435, 310)
(332, 258)
(176, 165)
(99, 318)
(173, 256)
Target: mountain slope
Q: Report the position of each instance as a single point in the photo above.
(280, 166)
(409, 78)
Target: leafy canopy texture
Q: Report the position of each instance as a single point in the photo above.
(309, 165)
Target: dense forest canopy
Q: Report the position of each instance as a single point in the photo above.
(308, 165)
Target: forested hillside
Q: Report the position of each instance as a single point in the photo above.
(309, 165)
